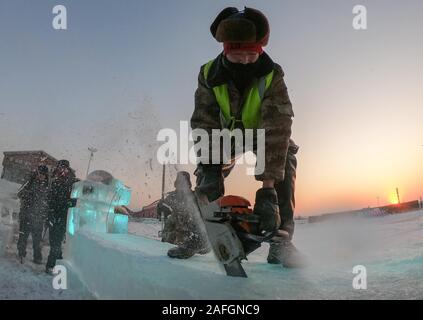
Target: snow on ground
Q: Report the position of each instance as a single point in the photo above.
(28, 280)
(22, 281)
(390, 247)
(147, 227)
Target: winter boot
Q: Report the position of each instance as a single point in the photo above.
(21, 256)
(266, 207)
(37, 256)
(204, 250)
(187, 250)
(49, 271)
(181, 252)
(287, 254)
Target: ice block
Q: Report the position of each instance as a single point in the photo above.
(97, 197)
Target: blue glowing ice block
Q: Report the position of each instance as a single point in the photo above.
(97, 198)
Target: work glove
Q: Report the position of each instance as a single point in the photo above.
(71, 203)
(267, 208)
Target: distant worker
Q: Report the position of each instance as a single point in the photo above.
(33, 198)
(59, 201)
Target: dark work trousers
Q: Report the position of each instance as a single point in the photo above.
(286, 195)
(285, 189)
(34, 228)
(56, 236)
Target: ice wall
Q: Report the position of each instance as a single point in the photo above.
(9, 202)
(125, 266)
(112, 264)
(9, 209)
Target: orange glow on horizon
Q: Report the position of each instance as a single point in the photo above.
(393, 198)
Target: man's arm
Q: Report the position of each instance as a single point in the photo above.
(25, 190)
(206, 113)
(50, 207)
(276, 113)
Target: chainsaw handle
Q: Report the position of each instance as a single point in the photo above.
(238, 217)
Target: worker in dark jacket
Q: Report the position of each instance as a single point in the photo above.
(59, 201)
(34, 207)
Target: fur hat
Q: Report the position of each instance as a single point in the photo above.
(42, 169)
(63, 163)
(247, 26)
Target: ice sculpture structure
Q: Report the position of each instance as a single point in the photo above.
(97, 197)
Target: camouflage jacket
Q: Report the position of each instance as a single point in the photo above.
(276, 111)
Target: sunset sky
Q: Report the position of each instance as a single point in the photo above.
(125, 69)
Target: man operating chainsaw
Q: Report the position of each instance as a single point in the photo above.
(242, 88)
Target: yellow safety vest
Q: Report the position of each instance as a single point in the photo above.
(252, 105)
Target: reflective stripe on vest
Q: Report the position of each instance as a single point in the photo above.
(252, 105)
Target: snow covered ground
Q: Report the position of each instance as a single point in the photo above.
(148, 228)
(136, 265)
(28, 280)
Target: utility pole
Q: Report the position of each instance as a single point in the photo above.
(92, 151)
(398, 197)
(163, 180)
(161, 215)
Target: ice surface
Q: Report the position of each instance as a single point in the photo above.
(136, 266)
(147, 227)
